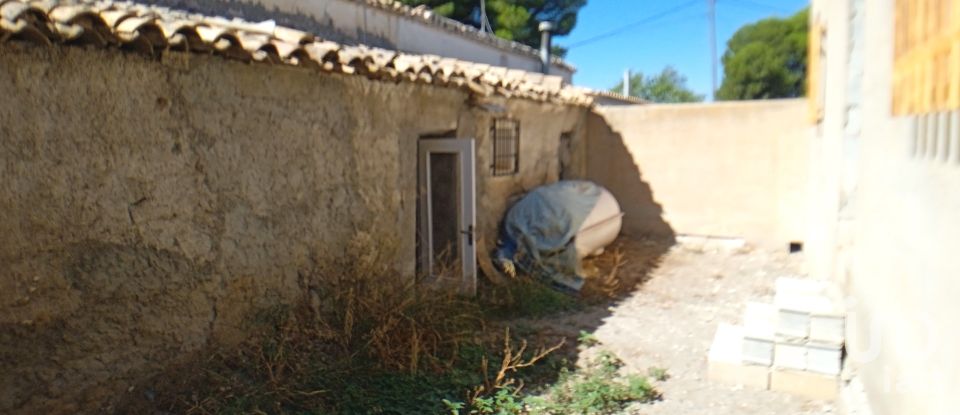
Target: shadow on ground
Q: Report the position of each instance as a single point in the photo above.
(617, 274)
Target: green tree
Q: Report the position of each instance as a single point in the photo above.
(515, 20)
(767, 59)
(669, 86)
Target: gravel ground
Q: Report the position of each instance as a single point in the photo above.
(669, 319)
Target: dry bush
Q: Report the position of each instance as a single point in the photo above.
(604, 280)
(621, 268)
(365, 337)
(366, 307)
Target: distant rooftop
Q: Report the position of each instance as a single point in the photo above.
(613, 98)
(296, 17)
(424, 13)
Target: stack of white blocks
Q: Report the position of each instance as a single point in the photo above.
(794, 345)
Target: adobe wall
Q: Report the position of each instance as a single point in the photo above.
(150, 207)
(720, 170)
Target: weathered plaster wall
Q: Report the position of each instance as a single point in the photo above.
(723, 170)
(895, 251)
(149, 207)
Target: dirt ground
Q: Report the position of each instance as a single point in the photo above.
(669, 319)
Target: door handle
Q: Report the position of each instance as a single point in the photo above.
(469, 233)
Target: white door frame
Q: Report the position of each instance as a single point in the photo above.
(464, 149)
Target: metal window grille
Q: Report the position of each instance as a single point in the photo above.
(506, 146)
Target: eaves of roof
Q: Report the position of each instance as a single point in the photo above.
(154, 30)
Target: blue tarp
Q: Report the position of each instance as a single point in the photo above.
(538, 232)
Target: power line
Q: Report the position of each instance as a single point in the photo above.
(682, 18)
(621, 29)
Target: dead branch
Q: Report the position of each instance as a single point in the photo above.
(511, 362)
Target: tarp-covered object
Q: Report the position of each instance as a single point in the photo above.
(539, 230)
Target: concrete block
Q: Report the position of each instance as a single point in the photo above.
(727, 343)
(790, 355)
(824, 358)
(752, 376)
(793, 324)
(807, 384)
(810, 296)
(758, 351)
(799, 286)
(760, 320)
(759, 325)
(825, 328)
(796, 312)
(725, 363)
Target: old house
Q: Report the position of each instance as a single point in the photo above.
(167, 172)
(196, 164)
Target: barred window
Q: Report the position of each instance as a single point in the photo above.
(506, 146)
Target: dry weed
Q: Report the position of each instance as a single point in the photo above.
(362, 326)
(512, 361)
(369, 307)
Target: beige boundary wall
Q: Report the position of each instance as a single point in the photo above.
(721, 170)
(149, 207)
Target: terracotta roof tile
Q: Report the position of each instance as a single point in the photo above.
(153, 29)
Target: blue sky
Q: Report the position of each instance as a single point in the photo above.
(679, 38)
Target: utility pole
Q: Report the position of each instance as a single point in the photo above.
(484, 22)
(626, 83)
(712, 13)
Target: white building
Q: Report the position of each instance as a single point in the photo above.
(386, 24)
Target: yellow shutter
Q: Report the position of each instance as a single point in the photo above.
(926, 75)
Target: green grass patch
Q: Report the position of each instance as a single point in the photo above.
(658, 373)
(526, 298)
(587, 339)
(598, 389)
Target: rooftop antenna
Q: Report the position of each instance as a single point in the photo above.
(626, 83)
(484, 22)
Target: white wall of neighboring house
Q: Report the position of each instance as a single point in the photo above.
(886, 223)
(355, 22)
